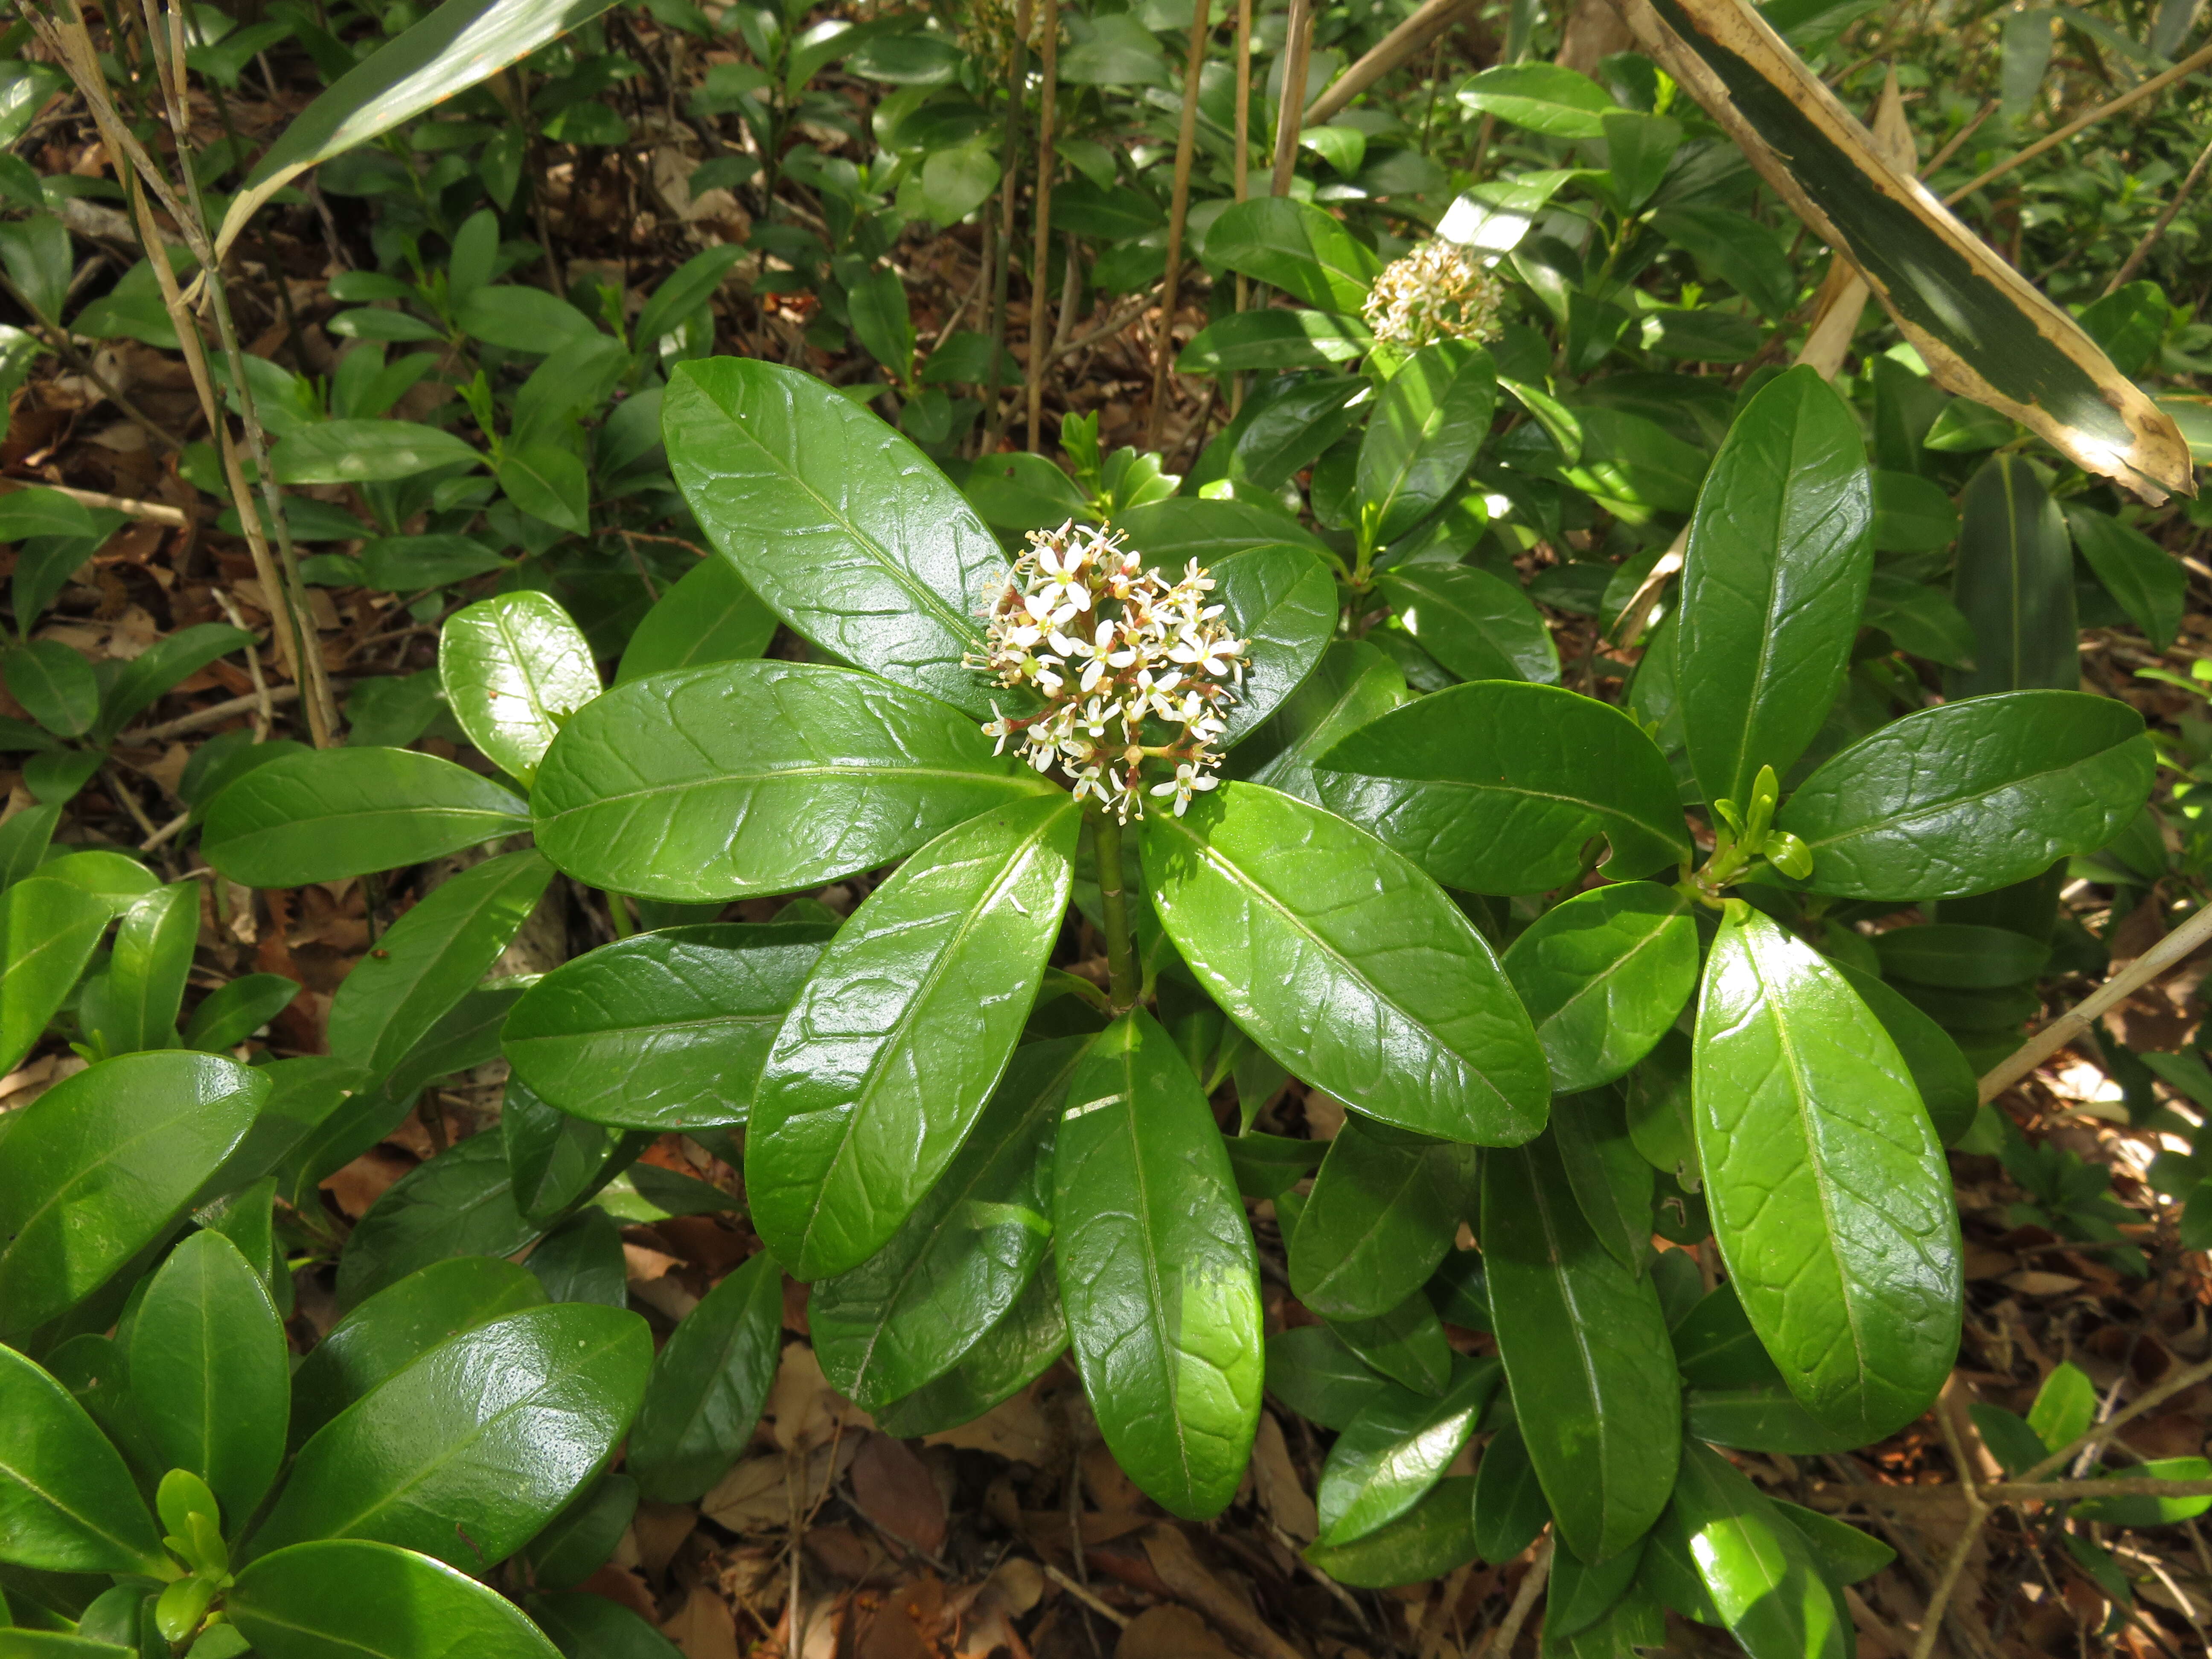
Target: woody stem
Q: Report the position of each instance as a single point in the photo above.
(1124, 986)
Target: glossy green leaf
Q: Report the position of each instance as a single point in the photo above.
(582, 1261)
(1585, 1349)
(1353, 685)
(1968, 797)
(1545, 98)
(1431, 418)
(1496, 787)
(1941, 1072)
(1959, 956)
(1346, 963)
(1734, 1393)
(1480, 626)
(1311, 1370)
(1755, 1565)
(366, 452)
(1296, 247)
(1012, 1354)
(398, 1326)
(1272, 339)
(2065, 1406)
(1407, 1344)
(53, 1644)
(897, 1038)
(211, 1372)
(428, 960)
(1830, 1197)
(1267, 1165)
(2151, 1512)
(96, 1169)
(467, 1452)
(1510, 1509)
(2013, 581)
(1773, 580)
(349, 1599)
(514, 667)
(905, 1316)
(331, 813)
(1603, 976)
(708, 1383)
(24, 840)
(460, 1203)
(2149, 582)
(587, 1626)
(1157, 1269)
(56, 686)
(48, 931)
(750, 778)
(1383, 1211)
(577, 1542)
(1283, 600)
(708, 616)
(1611, 1180)
(67, 1504)
(665, 1030)
(1426, 1542)
(1577, 1597)
(842, 525)
(1396, 1450)
(231, 1013)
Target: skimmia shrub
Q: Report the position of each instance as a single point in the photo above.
(1161, 833)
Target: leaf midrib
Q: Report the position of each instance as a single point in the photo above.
(810, 770)
(1900, 819)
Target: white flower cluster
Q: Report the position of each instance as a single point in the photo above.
(1435, 293)
(1111, 646)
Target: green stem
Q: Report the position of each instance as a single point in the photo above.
(1124, 986)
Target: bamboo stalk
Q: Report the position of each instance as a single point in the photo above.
(1178, 218)
(1243, 168)
(1041, 326)
(2140, 251)
(1297, 44)
(1386, 55)
(1002, 245)
(2188, 66)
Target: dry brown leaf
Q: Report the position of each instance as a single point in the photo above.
(704, 1627)
(1282, 1494)
(1196, 1584)
(2033, 1281)
(1170, 1634)
(804, 1409)
(1016, 1428)
(895, 1489)
(660, 1530)
(755, 1497)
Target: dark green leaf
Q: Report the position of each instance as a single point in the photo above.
(708, 1383)
(366, 452)
(428, 960)
(1268, 1166)
(1382, 1212)
(1396, 1450)
(1755, 1567)
(1773, 580)
(460, 1203)
(1586, 1351)
(1545, 98)
(577, 1542)
(1157, 1270)
(1313, 1372)
(1283, 600)
(1496, 787)
(1295, 247)
(211, 1372)
(897, 1038)
(1478, 625)
(467, 1452)
(1272, 339)
(96, 1169)
(1830, 1197)
(2013, 581)
(582, 1261)
(956, 1266)
(708, 616)
(840, 523)
(1941, 1073)
(400, 1324)
(1510, 1509)
(1426, 1542)
(56, 686)
(231, 1013)
(587, 1626)
(665, 1030)
(345, 1599)
(1353, 685)
(1610, 1179)
(48, 930)
(1012, 1354)
(1968, 797)
(1959, 956)
(331, 813)
(1603, 976)
(1407, 1344)
(748, 778)
(66, 1500)
(1431, 418)
(2149, 582)
(1346, 963)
